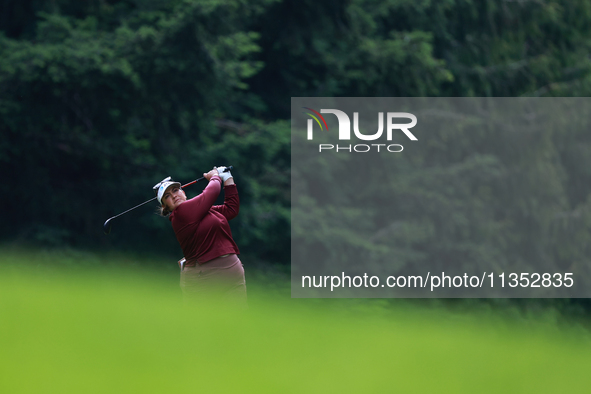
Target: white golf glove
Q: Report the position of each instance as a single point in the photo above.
(224, 175)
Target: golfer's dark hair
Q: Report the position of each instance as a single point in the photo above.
(162, 211)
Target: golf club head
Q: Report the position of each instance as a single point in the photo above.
(107, 226)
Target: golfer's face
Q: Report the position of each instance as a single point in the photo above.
(173, 197)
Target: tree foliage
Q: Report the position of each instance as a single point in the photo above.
(102, 99)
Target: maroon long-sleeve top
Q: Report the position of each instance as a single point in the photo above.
(202, 228)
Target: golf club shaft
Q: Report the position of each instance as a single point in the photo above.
(107, 226)
(190, 183)
(229, 168)
(131, 209)
(152, 199)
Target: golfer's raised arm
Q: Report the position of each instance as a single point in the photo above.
(194, 210)
(231, 202)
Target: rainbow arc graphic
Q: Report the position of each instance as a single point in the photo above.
(316, 119)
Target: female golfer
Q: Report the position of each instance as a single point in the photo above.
(212, 267)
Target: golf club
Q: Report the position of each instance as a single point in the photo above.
(107, 225)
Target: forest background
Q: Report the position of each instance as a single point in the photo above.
(99, 100)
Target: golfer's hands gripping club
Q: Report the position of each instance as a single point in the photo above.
(208, 175)
(225, 173)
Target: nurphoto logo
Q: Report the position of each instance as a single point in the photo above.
(345, 130)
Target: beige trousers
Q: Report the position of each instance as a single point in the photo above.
(218, 280)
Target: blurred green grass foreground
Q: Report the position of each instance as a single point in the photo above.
(76, 322)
